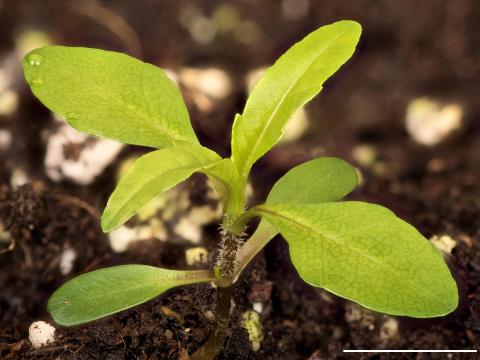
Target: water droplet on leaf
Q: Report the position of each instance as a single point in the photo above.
(72, 116)
(34, 59)
(36, 82)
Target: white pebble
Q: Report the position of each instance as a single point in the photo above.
(196, 255)
(212, 82)
(389, 329)
(154, 229)
(8, 102)
(444, 243)
(203, 215)
(188, 230)
(18, 178)
(365, 155)
(121, 237)
(41, 333)
(430, 122)
(258, 307)
(66, 261)
(92, 159)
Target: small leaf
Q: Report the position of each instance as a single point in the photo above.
(107, 291)
(325, 179)
(152, 174)
(225, 178)
(364, 253)
(290, 83)
(110, 95)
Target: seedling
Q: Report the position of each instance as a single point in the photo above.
(356, 250)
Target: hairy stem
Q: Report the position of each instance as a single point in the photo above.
(225, 272)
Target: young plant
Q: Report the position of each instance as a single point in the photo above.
(356, 250)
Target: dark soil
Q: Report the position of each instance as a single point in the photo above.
(409, 49)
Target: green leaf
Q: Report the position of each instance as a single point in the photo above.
(110, 95)
(292, 81)
(364, 253)
(152, 174)
(107, 291)
(225, 178)
(325, 179)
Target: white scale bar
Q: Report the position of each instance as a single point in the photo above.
(409, 351)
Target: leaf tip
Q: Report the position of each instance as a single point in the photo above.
(56, 307)
(106, 223)
(451, 297)
(354, 25)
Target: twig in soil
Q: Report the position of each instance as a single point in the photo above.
(48, 349)
(78, 349)
(12, 348)
(78, 202)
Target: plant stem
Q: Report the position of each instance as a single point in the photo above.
(264, 233)
(225, 272)
(214, 343)
(226, 269)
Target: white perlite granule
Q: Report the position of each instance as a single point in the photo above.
(41, 333)
(430, 122)
(93, 157)
(66, 261)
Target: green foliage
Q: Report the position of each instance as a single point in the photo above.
(152, 174)
(319, 180)
(225, 177)
(359, 251)
(364, 253)
(103, 292)
(110, 95)
(295, 78)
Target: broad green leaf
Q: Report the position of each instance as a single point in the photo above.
(292, 81)
(107, 291)
(325, 179)
(110, 95)
(364, 253)
(152, 174)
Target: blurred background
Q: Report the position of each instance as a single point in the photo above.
(404, 110)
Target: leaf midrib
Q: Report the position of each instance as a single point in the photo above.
(146, 116)
(373, 259)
